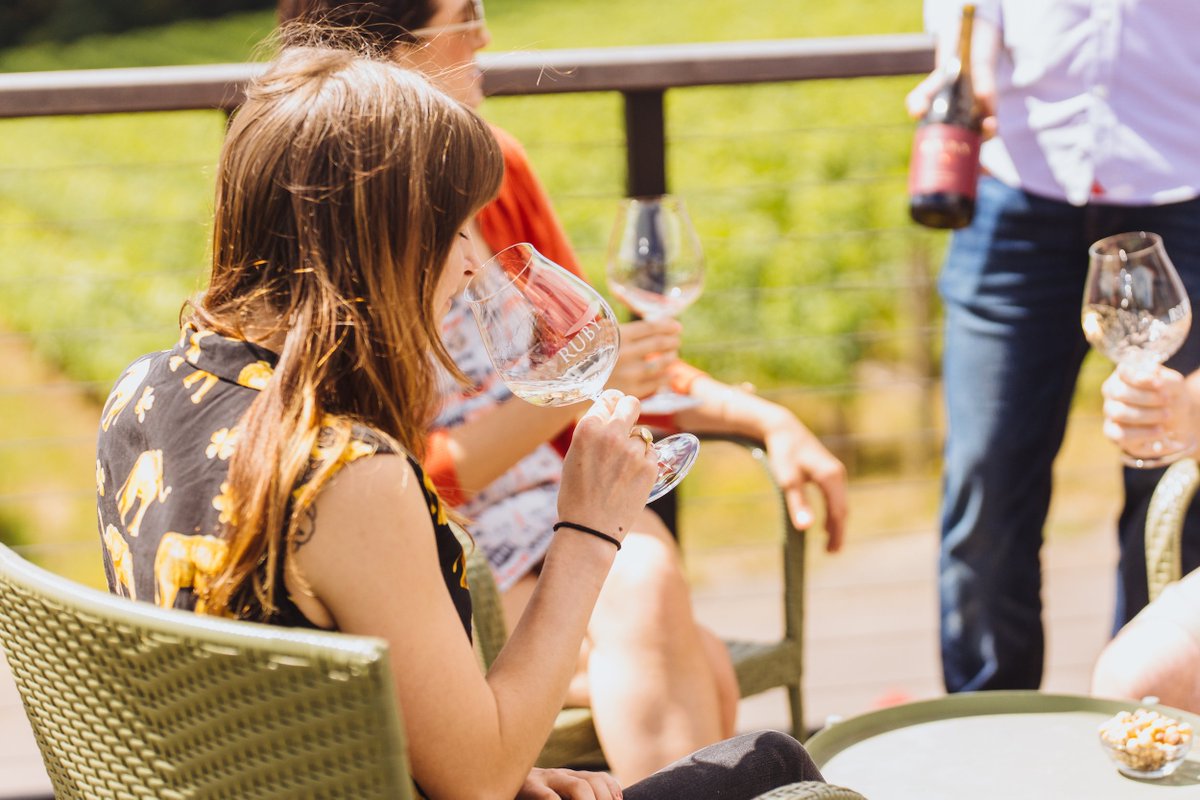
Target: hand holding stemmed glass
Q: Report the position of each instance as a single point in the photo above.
(1136, 311)
(554, 340)
(656, 267)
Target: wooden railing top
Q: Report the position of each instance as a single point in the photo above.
(621, 69)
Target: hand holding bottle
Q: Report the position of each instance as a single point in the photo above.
(944, 169)
(985, 45)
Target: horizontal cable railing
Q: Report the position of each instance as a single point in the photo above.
(866, 256)
(619, 69)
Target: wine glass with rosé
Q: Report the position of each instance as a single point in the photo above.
(656, 267)
(554, 341)
(1136, 312)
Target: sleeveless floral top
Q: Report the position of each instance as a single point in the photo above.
(167, 433)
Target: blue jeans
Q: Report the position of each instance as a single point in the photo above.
(1012, 286)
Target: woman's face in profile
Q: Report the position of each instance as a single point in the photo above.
(460, 267)
(446, 48)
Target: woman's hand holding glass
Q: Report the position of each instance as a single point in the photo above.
(1145, 406)
(648, 347)
(607, 473)
(554, 342)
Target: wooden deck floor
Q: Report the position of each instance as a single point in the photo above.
(872, 637)
(872, 623)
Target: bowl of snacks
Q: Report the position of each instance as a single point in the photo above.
(1146, 744)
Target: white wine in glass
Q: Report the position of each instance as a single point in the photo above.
(554, 341)
(1136, 312)
(656, 267)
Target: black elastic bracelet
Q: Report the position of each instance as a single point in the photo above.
(586, 529)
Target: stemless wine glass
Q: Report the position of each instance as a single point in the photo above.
(656, 267)
(1136, 312)
(554, 341)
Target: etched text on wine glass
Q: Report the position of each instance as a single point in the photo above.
(578, 344)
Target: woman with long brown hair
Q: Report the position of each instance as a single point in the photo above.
(659, 683)
(267, 467)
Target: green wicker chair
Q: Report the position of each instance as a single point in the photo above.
(128, 700)
(760, 666)
(811, 791)
(1164, 524)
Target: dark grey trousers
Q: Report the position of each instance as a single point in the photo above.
(735, 769)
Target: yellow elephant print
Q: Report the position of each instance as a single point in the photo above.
(143, 486)
(122, 560)
(192, 354)
(187, 562)
(255, 375)
(123, 392)
(435, 501)
(99, 478)
(209, 381)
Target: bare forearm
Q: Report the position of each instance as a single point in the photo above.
(486, 447)
(726, 409)
(529, 679)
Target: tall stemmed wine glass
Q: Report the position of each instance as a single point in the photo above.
(1136, 312)
(656, 267)
(554, 341)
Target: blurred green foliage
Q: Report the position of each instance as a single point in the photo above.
(797, 191)
(32, 21)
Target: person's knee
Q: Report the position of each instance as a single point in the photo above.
(1150, 657)
(781, 752)
(1115, 676)
(648, 579)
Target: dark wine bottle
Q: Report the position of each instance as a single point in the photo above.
(944, 168)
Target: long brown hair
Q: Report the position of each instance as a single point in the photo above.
(342, 186)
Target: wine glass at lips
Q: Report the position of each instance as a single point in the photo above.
(656, 267)
(1136, 312)
(554, 341)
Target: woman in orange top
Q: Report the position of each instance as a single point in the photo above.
(659, 684)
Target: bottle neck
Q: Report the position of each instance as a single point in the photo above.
(964, 41)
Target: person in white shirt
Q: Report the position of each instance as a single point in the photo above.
(1095, 110)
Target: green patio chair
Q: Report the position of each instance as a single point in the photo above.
(811, 791)
(759, 665)
(128, 700)
(1164, 524)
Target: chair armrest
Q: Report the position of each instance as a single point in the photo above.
(487, 612)
(761, 666)
(811, 790)
(1164, 524)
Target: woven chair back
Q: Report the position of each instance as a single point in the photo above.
(128, 700)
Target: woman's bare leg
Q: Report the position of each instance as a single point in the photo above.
(728, 691)
(654, 693)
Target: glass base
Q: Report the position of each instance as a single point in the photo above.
(676, 453)
(668, 402)
(1153, 462)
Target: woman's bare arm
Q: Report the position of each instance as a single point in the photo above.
(372, 563)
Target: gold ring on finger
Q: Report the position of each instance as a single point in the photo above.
(642, 432)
